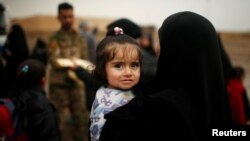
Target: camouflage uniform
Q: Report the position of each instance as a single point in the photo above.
(67, 95)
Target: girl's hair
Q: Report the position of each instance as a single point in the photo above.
(109, 47)
(29, 74)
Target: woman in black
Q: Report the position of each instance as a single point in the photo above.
(15, 51)
(188, 94)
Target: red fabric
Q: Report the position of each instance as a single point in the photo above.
(236, 90)
(22, 137)
(6, 127)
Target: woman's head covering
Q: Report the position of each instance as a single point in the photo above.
(190, 62)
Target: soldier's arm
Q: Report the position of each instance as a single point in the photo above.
(53, 49)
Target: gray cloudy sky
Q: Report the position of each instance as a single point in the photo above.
(226, 15)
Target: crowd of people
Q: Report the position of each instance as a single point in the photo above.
(136, 91)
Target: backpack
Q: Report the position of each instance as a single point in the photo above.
(11, 122)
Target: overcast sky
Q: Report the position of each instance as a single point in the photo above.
(226, 15)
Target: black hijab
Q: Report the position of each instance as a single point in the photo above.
(15, 51)
(190, 62)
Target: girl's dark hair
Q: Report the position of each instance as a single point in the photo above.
(29, 74)
(108, 48)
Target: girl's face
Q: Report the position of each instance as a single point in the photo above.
(123, 72)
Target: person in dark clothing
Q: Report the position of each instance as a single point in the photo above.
(147, 43)
(40, 51)
(149, 58)
(32, 104)
(2, 76)
(15, 51)
(188, 94)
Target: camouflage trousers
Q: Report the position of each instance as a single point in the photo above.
(71, 111)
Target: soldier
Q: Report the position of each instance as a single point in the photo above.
(66, 94)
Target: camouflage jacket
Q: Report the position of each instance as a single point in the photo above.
(64, 44)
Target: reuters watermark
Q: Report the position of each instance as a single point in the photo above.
(230, 132)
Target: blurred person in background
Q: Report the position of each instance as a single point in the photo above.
(66, 94)
(14, 52)
(40, 51)
(238, 98)
(87, 33)
(149, 57)
(3, 36)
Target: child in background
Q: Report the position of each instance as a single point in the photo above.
(118, 68)
(32, 104)
(238, 96)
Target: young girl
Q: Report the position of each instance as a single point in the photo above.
(118, 67)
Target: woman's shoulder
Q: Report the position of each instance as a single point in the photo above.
(165, 96)
(168, 101)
